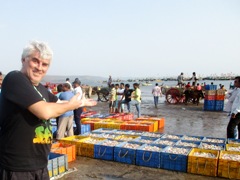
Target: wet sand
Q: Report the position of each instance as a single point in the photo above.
(179, 119)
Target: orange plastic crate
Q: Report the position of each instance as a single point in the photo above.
(220, 97)
(68, 149)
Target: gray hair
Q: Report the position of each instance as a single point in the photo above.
(41, 47)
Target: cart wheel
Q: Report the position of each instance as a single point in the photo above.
(103, 96)
(173, 96)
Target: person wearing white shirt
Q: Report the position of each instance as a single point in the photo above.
(231, 95)
(156, 91)
(68, 81)
(77, 112)
(235, 112)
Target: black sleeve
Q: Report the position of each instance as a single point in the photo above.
(18, 89)
(52, 97)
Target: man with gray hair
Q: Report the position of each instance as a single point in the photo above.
(25, 109)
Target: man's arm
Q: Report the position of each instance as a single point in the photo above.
(46, 110)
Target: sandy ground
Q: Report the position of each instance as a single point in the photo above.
(179, 119)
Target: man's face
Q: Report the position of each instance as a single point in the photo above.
(35, 67)
(236, 83)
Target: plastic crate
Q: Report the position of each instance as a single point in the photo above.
(85, 128)
(125, 155)
(220, 97)
(210, 97)
(86, 148)
(189, 144)
(203, 165)
(213, 146)
(126, 137)
(68, 149)
(145, 140)
(58, 163)
(148, 158)
(175, 162)
(233, 141)
(210, 92)
(210, 87)
(233, 147)
(193, 138)
(105, 152)
(229, 168)
(166, 142)
(215, 140)
(172, 136)
(152, 134)
(104, 130)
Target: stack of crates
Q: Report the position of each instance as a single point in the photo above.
(214, 99)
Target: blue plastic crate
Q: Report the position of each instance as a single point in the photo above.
(104, 130)
(209, 102)
(210, 87)
(152, 134)
(145, 140)
(175, 162)
(168, 142)
(125, 155)
(85, 128)
(189, 144)
(233, 141)
(215, 140)
(148, 158)
(193, 138)
(59, 163)
(172, 136)
(103, 151)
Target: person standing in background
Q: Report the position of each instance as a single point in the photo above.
(156, 91)
(126, 98)
(68, 81)
(65, 122)
(112, 99)
(109, 81)
(180, 80)
(77, 112)
(235, 112)
(120, 93)
(194, 79)
(136, 99)
(231, 95)
(26, 107)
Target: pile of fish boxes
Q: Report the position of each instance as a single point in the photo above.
(214, 99)
(68, 149)
(207, 156)
(124, 121)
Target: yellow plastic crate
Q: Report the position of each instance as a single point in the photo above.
(228, 168)
(229, 146)
(86, 148)
(98, 125)
(74, 140)
(114, 125)
(203, 165)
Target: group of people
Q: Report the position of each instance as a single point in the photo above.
(26, 107)
(120, 95)
(65, 122)
(181, 79)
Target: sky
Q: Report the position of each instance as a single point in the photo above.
(125, 38)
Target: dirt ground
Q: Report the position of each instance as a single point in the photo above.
(179, 119)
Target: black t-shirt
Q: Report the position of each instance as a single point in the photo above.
(127, 94)
(25, 140)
